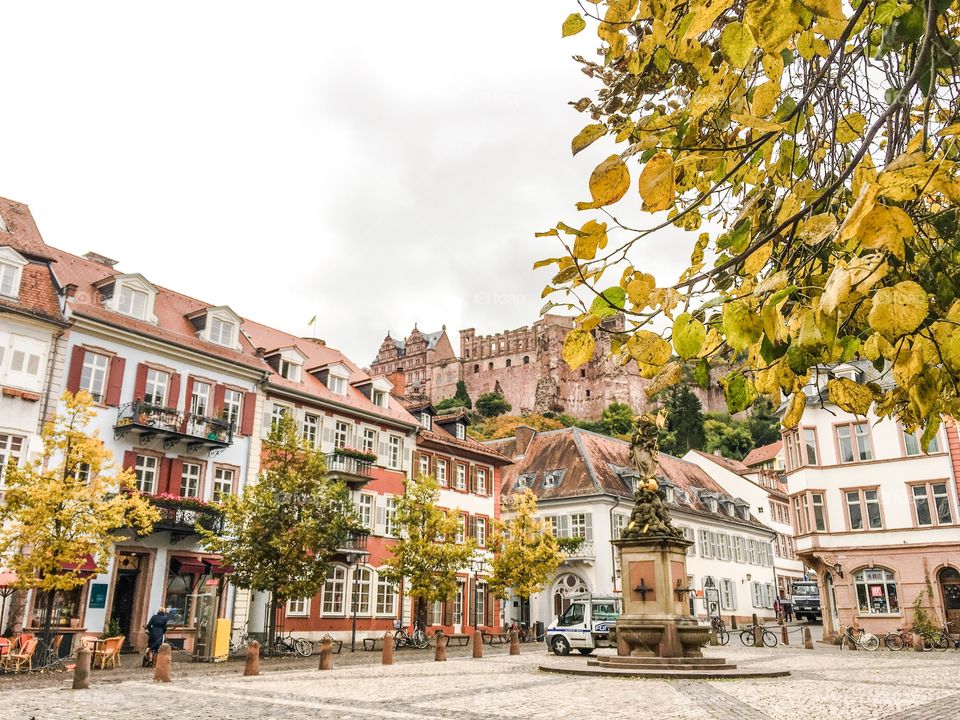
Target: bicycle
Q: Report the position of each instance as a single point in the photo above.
(723, 637)
(939, 641)
(289, 645)
(767, 637)
(859, 638)
(525, 633)
(401, 638)
(898, 640)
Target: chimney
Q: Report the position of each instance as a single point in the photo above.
(525, 434)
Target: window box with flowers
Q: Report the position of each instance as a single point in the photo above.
(361, 455)
(182, 514)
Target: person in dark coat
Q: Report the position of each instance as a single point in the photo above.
(156, 629)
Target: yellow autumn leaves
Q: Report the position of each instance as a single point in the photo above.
(610, 180)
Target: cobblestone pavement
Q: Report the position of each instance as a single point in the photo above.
(825, 684)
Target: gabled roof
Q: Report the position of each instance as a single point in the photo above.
(595, 464)
(439, 436)
(734, 466)
(763, 454)
(22, 232)
(319, 354)
(38, 288)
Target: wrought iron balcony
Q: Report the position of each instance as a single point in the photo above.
(355, 546)
(180, 516)
(150, 422)
(583, 553)
(353, 471)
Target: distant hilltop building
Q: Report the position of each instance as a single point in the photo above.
(524, 365)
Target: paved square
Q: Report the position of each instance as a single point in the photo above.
(825, 684)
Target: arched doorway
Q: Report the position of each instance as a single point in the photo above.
(950, 590)
(567, 586)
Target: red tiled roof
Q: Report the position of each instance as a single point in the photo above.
(38, 292)
(22, 233)
(171, 309)
(440, 436)
(590, 461)
(319, 354)
(763, 454)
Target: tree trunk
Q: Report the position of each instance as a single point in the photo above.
(272, 624)
(46, 639)
(420, 614)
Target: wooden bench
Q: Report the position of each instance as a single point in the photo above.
(498, 638)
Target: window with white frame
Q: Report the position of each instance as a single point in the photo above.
(426, 420)
(221, 332)
(9, 279)
(311, 430)
(155, 389)
(877, 592)
(380, 398)
(93, 375)
(83, 473)
(911, 442)
(442, 472)
(222, 483)
(756, 594)
(738, 553)
(480, 482)
(863, 509)
(341, 432)
(386, 597)
(690, 535)
(300, 607)
(705, 544)
(369, 441)
(333, 597)
(361, 591)
(132, 302)
(290, 370)
(724, 546)
(395, 452)
(619, 522)
(199, 399)
(461, 529)
(580, 525)
(461, 431)
(436, 613)
(145, 471)
(26, 363)
(932, 504)
(458, 605)
(364, 504)
(337, 384)
(481, 531)
(424, 465)
(277, 414)
(232, 402)
(461, 477)
(190, 480)
(11, 446)
(728, 594)
(853, 440)
(481, 608)
(390, 517)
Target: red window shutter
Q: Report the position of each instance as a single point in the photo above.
(218, 393)
(140, 385)
(246, 416)
(173, 395)
(76, 368)
(115, 380)
(163, 478)
(129, 459)
(489, 608)
(472, 527)
(471, 596)
(188, 394)
(448, 612)
(173, 477)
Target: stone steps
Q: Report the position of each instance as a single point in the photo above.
(663, 666)
(663, 673)
(657, 661)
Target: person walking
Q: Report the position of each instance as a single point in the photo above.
(156, 629)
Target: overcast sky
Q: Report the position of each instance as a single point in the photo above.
(375, 164)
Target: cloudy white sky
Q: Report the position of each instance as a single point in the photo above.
(375, 164)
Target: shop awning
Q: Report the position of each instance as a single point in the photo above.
(7, 579)
(87, 567)
(216, 568)
(186, 565)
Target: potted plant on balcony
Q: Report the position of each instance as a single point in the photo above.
(361, 455)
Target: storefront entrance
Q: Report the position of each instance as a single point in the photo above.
(950, 588)
(125, 589)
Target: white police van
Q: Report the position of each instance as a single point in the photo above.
(584, 626)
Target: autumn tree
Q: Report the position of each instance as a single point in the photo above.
(426, 557)
(66, 506)
(805, 151)
(282, 532)
(526, 553)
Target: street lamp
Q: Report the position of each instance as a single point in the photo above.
(478, 565)
(358, 543)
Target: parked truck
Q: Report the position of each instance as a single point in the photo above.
(806, 600)
(584, 626)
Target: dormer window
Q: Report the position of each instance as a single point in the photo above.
(11, 270)
(426, 420)
(461, 431)
(552, 478)
(379, 398)
(132, 302)
(290, 370)
(526, 480)
(337, 384)
(221, 332)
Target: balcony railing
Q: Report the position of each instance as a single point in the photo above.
(584, 552)
(149, 421)
(349, 468)
(180, 516)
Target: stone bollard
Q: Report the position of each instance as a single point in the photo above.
(733, 622)
(514, 642)
(784, 634)
(326, 653)
(386, 658)
(161, 672)
(252, 664)
(807, 639)
(477, 644)
(713, 636)
(440, 653)
(918, 642)
(757, 633)
(81, 673)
